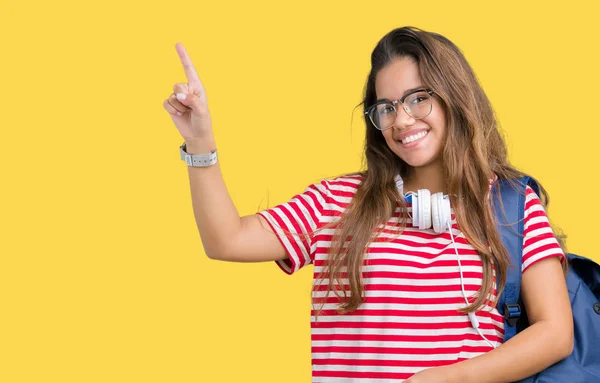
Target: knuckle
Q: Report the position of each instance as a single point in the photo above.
(180, 87)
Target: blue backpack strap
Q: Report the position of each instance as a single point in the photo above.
(510, 223)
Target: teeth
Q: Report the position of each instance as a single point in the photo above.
(415, 137)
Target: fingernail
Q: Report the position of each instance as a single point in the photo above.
(181, 96)
(179, 114)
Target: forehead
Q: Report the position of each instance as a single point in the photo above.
(394, 79)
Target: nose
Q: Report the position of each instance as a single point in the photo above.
(403, 119)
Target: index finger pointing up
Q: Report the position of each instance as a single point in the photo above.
(188, 67)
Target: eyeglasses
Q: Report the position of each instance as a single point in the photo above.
(417, 104)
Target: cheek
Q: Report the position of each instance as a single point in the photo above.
(439, 119)
(438, 124)
(389, 139)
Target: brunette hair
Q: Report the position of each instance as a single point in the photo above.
(473, 152)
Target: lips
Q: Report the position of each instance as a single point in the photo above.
(414, 138)
(412, 132)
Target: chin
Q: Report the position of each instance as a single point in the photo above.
(427, 153)
(417, 161)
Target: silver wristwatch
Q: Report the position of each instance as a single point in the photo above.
(198, 160)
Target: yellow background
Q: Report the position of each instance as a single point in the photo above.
(103, 277)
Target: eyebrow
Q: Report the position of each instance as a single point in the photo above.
(405, 92)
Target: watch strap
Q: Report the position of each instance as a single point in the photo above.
(198, 160)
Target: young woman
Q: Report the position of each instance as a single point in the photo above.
(399, 300)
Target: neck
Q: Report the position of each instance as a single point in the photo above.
(429, 177)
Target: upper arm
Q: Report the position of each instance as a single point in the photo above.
(283, 233)
(546, 298)
(255, 242)
(544, 289)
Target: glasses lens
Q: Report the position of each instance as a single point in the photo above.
(383, 116)
(419, 104)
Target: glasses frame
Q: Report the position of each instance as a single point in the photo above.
(404, 106)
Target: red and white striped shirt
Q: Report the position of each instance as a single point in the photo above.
(409, 320)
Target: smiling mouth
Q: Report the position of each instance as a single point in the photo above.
(415, 137)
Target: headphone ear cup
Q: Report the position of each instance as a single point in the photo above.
(446, 212)
(414, 199)
(424, 209)
(436, 213)
(440, 212)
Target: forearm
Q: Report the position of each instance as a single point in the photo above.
(216, 216)
(529, 352)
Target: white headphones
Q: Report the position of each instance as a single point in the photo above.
(428, 209)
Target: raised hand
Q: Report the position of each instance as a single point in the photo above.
(187, 105)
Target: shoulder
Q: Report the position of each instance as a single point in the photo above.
(534, 209)
(345, 184)
(530, 194)
(531, 184)
(338, 190)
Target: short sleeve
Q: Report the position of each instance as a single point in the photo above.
(301, 215)
(539, 241)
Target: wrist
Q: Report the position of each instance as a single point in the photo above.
(200, 145)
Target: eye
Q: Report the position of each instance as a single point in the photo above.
(386, 109)
(418, 98)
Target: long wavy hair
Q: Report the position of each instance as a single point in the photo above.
(473, 151)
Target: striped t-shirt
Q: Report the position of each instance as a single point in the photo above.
(409, 320)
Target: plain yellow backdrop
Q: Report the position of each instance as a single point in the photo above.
(103, 277)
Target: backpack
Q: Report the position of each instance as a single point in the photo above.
(583, 284)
